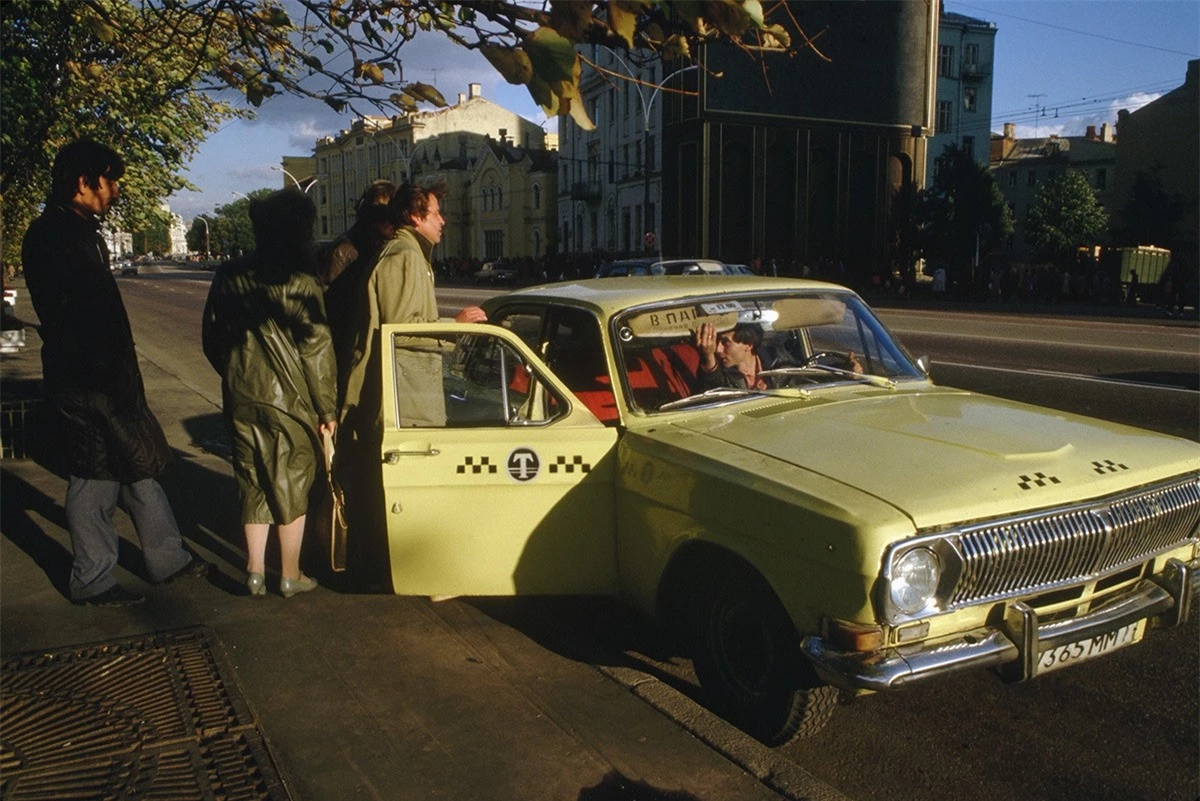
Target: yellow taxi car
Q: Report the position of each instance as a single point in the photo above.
(842, 525)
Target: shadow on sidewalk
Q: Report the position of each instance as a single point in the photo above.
(596, 631)
(23, 505)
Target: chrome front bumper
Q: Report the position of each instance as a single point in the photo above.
(1167, 598)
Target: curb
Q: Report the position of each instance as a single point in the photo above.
(779, 774)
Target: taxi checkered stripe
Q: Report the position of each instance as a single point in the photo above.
(483, 465)
(1037, 480)
(1108, 466)
(561, 465)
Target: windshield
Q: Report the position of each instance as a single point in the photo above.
(729, 346)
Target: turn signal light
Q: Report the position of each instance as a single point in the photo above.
(847, 636)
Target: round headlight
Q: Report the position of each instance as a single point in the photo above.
(915, 579)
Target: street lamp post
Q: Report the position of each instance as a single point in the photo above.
(201, 219)
(647, 105)
(304, 189)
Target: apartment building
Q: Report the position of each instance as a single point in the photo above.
(1022, 165)
(428, 143)
(966, 49)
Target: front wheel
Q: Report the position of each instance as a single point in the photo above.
(748, 660)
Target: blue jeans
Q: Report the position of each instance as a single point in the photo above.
(94, 538)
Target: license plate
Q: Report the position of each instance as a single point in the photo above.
(1071, 653)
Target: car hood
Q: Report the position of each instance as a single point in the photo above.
(946, 456)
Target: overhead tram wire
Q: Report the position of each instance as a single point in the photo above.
(990, 11)
(1075, 108)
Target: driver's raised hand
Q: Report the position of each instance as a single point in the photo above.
(705, 340)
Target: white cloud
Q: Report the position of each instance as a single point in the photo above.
(1052, 124)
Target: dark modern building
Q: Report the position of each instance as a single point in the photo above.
(803, 160)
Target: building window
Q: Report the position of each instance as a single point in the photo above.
(537, 196)
(493, 244)
(1012, 177)
(499, 198)
(1031, 179)
(625, 232)
(945, 60)
(624, 161)
(969, 103)
(1101, 178)
(971, 58)
(943, 116)
(612, 166)
(324, 225)
(637, 158)
(968, 146)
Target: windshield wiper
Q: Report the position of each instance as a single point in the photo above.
(729, 393)
(875, 380)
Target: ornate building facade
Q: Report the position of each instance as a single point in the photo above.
(449, 144)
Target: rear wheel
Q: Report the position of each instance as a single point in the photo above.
(748, 659)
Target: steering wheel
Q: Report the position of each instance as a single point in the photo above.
(823, 354)
(840, 360)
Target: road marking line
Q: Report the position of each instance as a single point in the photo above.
(1073, 376)
(1083, 345)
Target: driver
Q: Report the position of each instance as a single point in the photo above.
(732, 359)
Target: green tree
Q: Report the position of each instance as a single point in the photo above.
(199, 236)
(1065, 215)
(963, 215)
(138, 75)
(66, 75)
(155, 236)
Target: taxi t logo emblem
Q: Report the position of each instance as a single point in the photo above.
(523, 464)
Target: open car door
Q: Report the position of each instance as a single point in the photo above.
(496, 480)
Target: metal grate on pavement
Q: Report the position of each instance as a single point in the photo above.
(152, 717)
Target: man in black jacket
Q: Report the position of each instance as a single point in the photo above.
(113, 444)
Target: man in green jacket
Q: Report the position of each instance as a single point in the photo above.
(398, 290)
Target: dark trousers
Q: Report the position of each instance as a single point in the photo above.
(94, 539)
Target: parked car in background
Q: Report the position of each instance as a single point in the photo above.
(124, 267)
(654, 266)
(496, 273)
(844, 526)
(738, 269)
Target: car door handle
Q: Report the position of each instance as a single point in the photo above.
(393, 457)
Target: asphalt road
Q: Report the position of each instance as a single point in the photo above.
(1125, 727)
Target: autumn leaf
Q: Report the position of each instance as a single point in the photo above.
(622, 19)
(511, 62)
(425, 92)
(570, 18)
(553, 56)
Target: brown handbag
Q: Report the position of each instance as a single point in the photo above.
(337, 510)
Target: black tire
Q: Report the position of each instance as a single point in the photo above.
(748, 660)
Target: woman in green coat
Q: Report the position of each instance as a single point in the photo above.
(265, 332)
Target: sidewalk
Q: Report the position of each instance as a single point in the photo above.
(369, 696)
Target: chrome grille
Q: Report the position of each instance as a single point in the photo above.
(1066, 546)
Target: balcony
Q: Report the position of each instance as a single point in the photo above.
(973, 71)
(586, 190)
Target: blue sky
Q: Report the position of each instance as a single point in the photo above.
(1082, 59)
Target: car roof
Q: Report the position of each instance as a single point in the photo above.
(607, 296)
